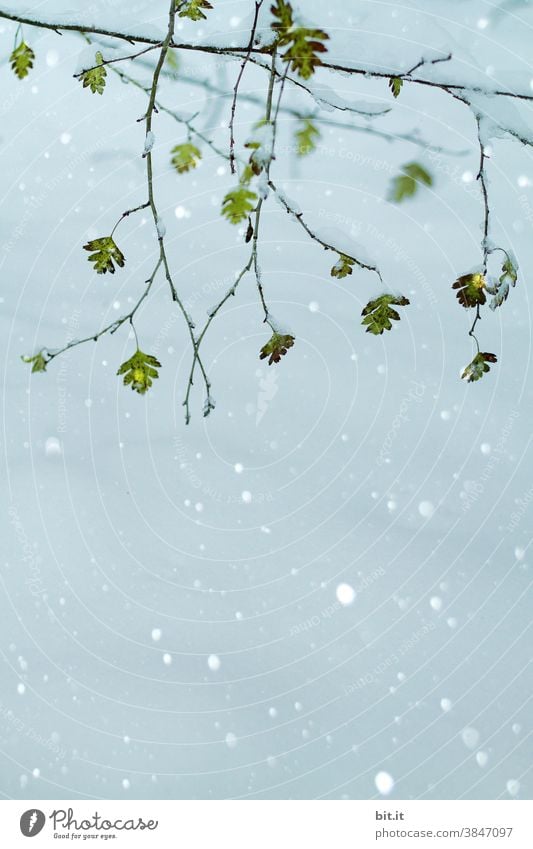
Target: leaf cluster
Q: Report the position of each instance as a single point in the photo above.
(22, 59)
(343, 267)
(193, 9)
(470, 290)
(306, 137)
(140, 371)
(406, 184)
(38, 362)
(379, 313)
(185, 157)
(508, 278)
(238, 203)
(304, 45)
(395, 85)
(103, 253)
(478, 367)
(95, 78)
(276, 347)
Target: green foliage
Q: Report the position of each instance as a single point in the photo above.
(470, 290)
(507, 278)
(185, 157)
(306, 137)
(379, 313)
(172, 59)
(247, 174)
(104, 252)
(95, 77)
(193, 9)
(38, 362)
(343, 267)
(140, 370)
(395, 85)
(405, 185)
(303, 44)
(237, 204)
(22, 59)
(478, 367)
(276, 347)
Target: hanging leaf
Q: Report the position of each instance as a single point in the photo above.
(406, 184)
(139, 371)
(508, 278)
(237, 204)
(104, 252)
(193, 9)
(303, 44)
(379, 313)
(395, 85)
(470, 290)
(38, 362)
(22, 59)
(185, 157)
(95, 77)
(306, 137)
(343, 267)
(276, 347)
(478, 367)
(172, 59)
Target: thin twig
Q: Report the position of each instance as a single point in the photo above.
(298, 216)
(131, 56)
(258, 4)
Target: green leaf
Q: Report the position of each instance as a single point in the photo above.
(185, 157)
(470, 290)
(172, 59)
(95, 77)
(406, 184)
(139, 371)
(104, 252)
(478, 367)
(237, 204)
(508, 277)
(379, 313)
(22, 60)
(343, 267)
(39, 362)
(276, 347)
(395, 85)
(306, 137)
(193, 9)
(303, 44)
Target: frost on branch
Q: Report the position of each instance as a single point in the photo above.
(478, 367)
(103, 253)
(139, 371)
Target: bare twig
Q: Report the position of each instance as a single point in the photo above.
(298, 216)
(258, 4)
